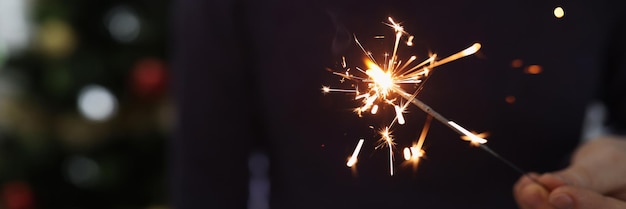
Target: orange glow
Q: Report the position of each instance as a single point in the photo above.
(517, 63)
(534, 69)
(510, 99)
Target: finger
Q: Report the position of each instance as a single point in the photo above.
(532, 196)
(574, 176)
(524, 181)
(552, 181)
(569, 197)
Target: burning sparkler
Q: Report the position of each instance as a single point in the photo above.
(384, 80)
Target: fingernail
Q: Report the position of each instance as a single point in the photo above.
(562, 201)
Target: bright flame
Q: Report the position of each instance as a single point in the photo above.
(383, 81)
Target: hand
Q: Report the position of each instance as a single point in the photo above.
(596, 178)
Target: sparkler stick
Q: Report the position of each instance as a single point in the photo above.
(384, 86)
(473, 138)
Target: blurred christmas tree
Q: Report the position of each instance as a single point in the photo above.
(84, 113)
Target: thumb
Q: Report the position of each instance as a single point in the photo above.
(569, 197)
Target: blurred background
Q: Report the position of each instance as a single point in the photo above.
(84, 107)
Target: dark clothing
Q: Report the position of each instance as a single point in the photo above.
(249, 74)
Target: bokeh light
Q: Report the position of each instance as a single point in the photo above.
(96, 103)
(534, 69)
(510, 99)
(84, 107)
(123, 24)
(17, 194)
(149, 77)
(56, 38)
(559, 12)
(82, 171)
(14, 25)
(517, 63)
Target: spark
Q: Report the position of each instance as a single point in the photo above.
(399, 114)
(327, 89)
(410, 41)
(355, 154)
(388, 141)
(414, 153)
(468, 136)
(384, 82)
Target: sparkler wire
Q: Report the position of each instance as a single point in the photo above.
(427, 109)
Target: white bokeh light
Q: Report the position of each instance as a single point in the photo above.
(123, 24)
(14, 24)
(82, 171)
(96, 103)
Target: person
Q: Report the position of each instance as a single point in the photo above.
(248, 74)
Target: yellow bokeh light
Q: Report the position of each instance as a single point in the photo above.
(559, 12)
